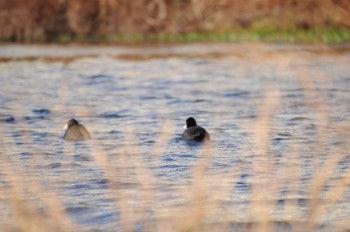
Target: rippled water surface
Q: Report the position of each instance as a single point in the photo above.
(274, 112)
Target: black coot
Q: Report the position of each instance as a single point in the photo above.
(194, 132)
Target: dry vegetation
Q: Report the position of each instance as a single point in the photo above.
(46, 20)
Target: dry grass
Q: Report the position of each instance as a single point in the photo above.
(45, 20)
(34, 206)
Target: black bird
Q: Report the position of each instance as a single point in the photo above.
(194, 132)
(75, 131)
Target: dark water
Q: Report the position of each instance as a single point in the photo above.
(127, 95)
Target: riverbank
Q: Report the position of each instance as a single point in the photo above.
(292, 36)
(141, 52)
(265, 35)
(107, 21)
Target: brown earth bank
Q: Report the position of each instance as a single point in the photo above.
(45, 20)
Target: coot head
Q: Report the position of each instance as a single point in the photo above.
(75, 131)
(190, 122)
(70, 123)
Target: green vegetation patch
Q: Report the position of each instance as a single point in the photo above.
(269, 35)
(258, 34)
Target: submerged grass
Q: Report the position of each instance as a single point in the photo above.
(33, 203)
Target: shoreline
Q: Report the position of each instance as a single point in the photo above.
(73, 51)
(262, 35)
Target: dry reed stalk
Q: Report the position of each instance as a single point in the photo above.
(263, 183)
(97, 152)
(328, 166)
(132, 169)
(162, 141)
(26, 213)
(121, 197)
(319, 178)
(292, 173)
(286, 173)
(141, 176)
(289, 177)
(197, 196)
(319, 210)
(200, 190)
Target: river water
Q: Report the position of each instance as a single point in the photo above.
(278, 116)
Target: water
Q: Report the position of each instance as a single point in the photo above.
(126, 95)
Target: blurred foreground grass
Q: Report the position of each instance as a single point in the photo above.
(33, 201)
